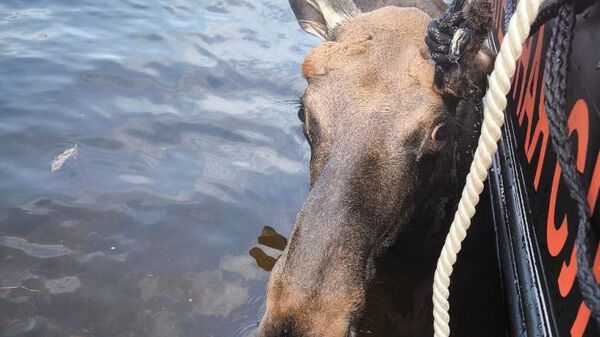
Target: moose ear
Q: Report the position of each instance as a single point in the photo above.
(322, 17)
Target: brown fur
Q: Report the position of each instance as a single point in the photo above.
(324, 316)
(377, 178)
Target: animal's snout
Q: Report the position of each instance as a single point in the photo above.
(300, 331)
(296, 312)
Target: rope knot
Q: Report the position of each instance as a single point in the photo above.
(454, 41)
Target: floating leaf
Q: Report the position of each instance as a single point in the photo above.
(60, 160)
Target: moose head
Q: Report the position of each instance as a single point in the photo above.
(384, 164)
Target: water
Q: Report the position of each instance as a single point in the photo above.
(187, 145)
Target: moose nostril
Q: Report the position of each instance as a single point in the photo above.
(440, 132)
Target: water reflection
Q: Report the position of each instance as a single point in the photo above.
(271, 239)
(186, 147)
(34, 249)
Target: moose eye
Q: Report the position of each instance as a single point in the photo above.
(441, 132)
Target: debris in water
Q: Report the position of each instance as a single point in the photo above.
(60, 160)
(22, 287)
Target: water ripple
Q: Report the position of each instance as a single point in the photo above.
(187, 147)
(34, 249)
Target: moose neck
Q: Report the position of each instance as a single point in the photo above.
(399, 296)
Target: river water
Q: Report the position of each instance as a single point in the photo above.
(182, 142)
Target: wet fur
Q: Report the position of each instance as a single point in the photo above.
(382, 192)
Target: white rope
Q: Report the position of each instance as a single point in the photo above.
(493, 118)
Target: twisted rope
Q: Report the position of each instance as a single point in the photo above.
(555, 101)
(547, 12)
(494, 105)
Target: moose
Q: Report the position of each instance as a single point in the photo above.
(389, 154)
